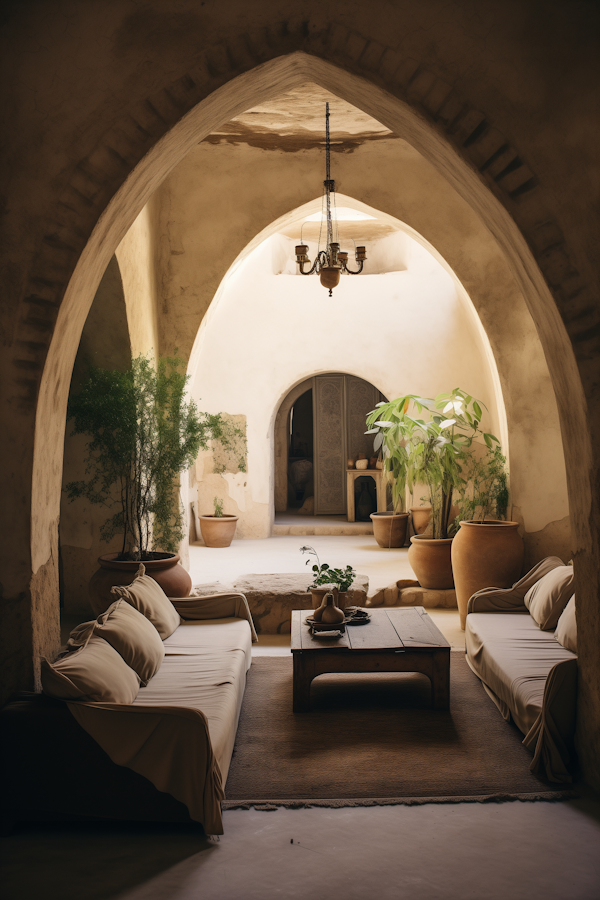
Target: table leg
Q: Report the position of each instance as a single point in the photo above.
(440, 679)
(303, 676)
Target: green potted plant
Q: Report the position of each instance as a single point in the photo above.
(389, 526)
(143, 433)
(218, 529)
(324, 576)
(429, 451)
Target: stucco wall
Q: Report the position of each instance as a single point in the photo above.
(137, 261)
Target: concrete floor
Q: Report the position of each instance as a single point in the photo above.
(521, 851)
(515, 849)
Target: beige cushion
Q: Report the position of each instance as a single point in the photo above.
(566, 630)
(145, 595)
(549, 596)
(93, 672)
(132, 635)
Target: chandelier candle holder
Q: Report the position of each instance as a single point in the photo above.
(330, 263)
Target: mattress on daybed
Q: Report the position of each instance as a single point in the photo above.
(513, 658)
(180, 730)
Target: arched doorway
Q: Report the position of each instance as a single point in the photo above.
(318, 427)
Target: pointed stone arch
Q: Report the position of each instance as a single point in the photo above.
(106, 187)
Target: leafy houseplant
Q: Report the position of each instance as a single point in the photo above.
(218, 508)
(324, 574)
(142, 435)
(484, 492)
(432, 451)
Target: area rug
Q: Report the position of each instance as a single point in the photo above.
(373, 740)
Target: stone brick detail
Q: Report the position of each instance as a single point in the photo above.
(272, 598)
(399, 593)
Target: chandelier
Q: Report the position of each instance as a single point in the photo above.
(331, 262)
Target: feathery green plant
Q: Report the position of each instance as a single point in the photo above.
(143, 434)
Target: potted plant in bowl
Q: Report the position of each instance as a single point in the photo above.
(389, 527)
(487, 551)
(142, 433)
(218, 529)
(431, 452)
(325, 577)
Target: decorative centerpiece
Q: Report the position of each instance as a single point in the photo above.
(326, 578)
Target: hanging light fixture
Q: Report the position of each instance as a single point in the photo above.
(330, 262)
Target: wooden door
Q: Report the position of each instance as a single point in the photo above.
(329, 429)
(340, 407)
(361, 398)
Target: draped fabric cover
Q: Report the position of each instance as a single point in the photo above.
(528, 674)
(180, 730)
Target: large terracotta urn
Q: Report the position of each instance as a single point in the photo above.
(430, 560)
(485, 554)
(389, 529)
(166, 571)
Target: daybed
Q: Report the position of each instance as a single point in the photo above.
(177, 730)
(520, 642)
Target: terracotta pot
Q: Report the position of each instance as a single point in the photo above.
(430, 559)
(420, 518)
(351, 463)
(389, 529)
(218, 531)
(168, 572)
(485, 554)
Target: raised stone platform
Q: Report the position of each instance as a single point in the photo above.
(272, 598)
(410, 593)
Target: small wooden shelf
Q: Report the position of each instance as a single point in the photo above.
(351, 476)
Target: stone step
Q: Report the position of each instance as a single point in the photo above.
(403, 593)
(310, 528)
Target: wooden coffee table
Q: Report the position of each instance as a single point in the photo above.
(395, 640)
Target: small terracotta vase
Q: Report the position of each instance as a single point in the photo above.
(331, 614)
(431, 561)
(167, 572)
(351, 463)
(319, 593)
(389, 529)
(485, 554)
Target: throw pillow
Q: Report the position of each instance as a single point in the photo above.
(133, 636)
(566, 630)
(549, 596)
(145, 595)
(93, 672)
